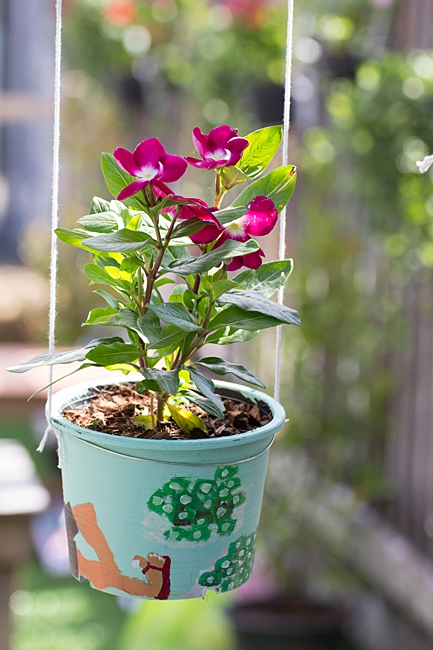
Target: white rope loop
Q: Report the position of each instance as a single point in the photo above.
(283, 220)
(54, 212)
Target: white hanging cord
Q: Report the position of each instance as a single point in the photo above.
(282, 235)
(54, 212)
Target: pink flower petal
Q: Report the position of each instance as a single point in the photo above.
(261, 217)
(222, 238)
(173, 167)
(148, 153)
(236, 263)
(206, 234)
(161, 190)
(254, 260)
(200, 141)
(125, 160)
(200, 211)
(201, 164)
(219, 136)
(251, 261)
(132, 189)
(240, 235)
(237, 147)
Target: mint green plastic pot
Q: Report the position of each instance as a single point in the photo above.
(164, 519)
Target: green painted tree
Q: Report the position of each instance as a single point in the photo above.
(197, 508)
(233, 569)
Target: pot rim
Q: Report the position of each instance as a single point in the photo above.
(73, 393)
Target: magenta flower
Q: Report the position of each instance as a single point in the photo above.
(257, 222)
(198, 209)
(251, 261)
(221, 148)
(194, 209)
(149, 163)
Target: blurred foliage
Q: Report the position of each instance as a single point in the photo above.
(211, 52)
(290, 554)
(384, 122)
(60, 613)
(196, 624)
(362, 244)
(147, 52)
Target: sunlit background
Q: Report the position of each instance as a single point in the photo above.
(348, 511)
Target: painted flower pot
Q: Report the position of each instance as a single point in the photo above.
(163, 518)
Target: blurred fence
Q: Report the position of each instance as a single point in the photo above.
(409, 447)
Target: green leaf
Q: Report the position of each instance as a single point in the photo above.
(221, 286)
(130, 219)
(175, 253)
(175, 313)
(230, 214)
(149, 326)
(146, 421)
(108, 355)
(127, 318)
(101, 222)
(109, 299)
(131, 264)
(99, 275)
(100, 316)
(207, 388)
(186, 420)
(188, 227)
(147, 385)
(70, 356)
(121, 241)
(234, 336)
(170, 337)
(117, 179)
(69, 374)
(222, 367)
(263, 146)
(204, 403)
(167, 380)
(232, 176)
(99, 205)
(267, 279)
(241, 319)
(162, 281)
(72, 237)
(226, 251)
(277, 186)
(256, 302)
(181, 293)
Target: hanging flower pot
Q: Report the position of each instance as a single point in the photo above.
(182, 512)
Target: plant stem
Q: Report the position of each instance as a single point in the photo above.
(152, 411)
(218, 189)
(162, 247)
(160, 407)
(140, 292)
(198, 341)
(196, 286)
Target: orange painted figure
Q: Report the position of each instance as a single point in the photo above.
(105, 573)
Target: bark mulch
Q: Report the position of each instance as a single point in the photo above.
(110, 409)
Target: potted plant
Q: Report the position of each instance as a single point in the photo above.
(163, 474)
